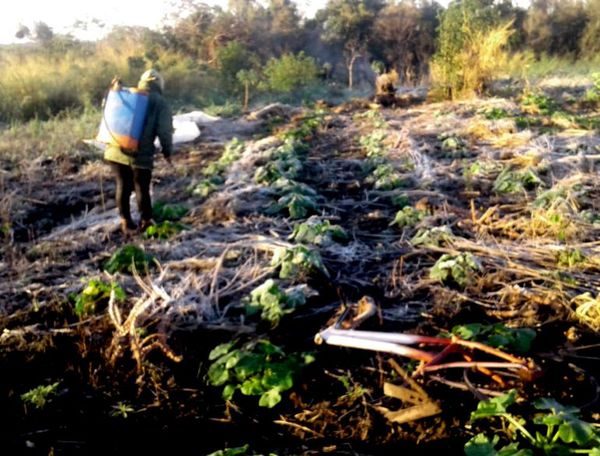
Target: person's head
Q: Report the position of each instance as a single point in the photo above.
(152, 78)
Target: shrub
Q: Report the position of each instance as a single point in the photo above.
(95, 293)
(127, 259)
(290, 72)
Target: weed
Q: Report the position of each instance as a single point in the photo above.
(171, 212)
(315, 231)
(40, 395)
(94, 294)
(587, 310)
(570, 258)
(273, 303)
(458, 268)
(121, 410)
(258, 368)
(237, 451)
(538, 103)
(297, 261)
(497, 335)
(408, 216)
(164, 230)
(495, 113)
(385, 177)
(127, 259)
(205, 187)
(373, 143)
(289, 168)
(510, 181)
(435, 236)
(297, 205)
(565, 432)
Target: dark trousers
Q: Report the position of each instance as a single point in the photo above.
(129, 179)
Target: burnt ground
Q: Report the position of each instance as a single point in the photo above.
(64, 229)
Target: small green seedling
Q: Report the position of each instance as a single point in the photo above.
(510, 181)
(164, 230)
(122, 410)
(298, 261)
(459, 269)
(94, 294)
(373, 143)
(297, 205)
(385, 177)
(40, 395)
(205, 187)
(128, 258)
(237, 451)
(435, 236)
(570, 258)
(258, 368)
(495, 113)
(407, 217)
(171, 212)
(317, 232)
(273, 303)
(497, 335)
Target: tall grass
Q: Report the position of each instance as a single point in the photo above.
(524, 65)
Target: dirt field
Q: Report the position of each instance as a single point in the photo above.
(478, 219)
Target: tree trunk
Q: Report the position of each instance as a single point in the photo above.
(246, 95)
(351, 70)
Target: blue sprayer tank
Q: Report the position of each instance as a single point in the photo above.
(123, 117)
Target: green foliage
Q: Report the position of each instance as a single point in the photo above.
(298, 261)
(121, 410)
(565, 432)
(318, 232)
(513, 181)
(435, 236)
(237, 451)
(273, 303)
(289, 168)
(407, 217)
(481, 445)
(128, 258)
(231, 59)
(385, 177)
(570, 258)
(40, 395)
(258, 368)
(297, 205)
(373, 143)
(172, 212)
(539, 103)
(497, 335)
(470, 49)
(495, 113)
(95, 293)
(164, 230)
(205, 187)
(459, 268)
(290, 72)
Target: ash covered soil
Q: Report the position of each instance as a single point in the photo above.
(505, 195)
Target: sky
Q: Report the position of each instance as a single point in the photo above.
(60, 15)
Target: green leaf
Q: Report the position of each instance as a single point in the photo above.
(220, 350)
(548, 403)
(270, 398)
(252, 387)
(238, 451)
(278, 376)
(574, 430)
(249, 365)
(468, 331)
(218, 374)
(495, 406)
(228, 392)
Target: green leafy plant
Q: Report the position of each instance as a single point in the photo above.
(237, 451)
(539, 103)
(318, 232)
(570, 258)
(385, 177)
(164, 230)
(172, 212)
(459, 268)
(40, 395)
(95, 293)
(128, 258)
(408, 216)
(298, 261)
(205, 187)
(257, 368)
(231, 153)
(495, 113)
(122, 410)
(297, 205)
(435, 236)
(510, 181)
(565, 432)
(373, 143)
(288, 168)
(497, 335)
(273, 303)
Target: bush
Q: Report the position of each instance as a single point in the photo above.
(470, 49)
(290, 72)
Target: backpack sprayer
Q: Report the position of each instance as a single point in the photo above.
(123, 116)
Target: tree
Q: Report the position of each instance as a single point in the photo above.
(248, 78)
(590, 40)
(349, 23)
(404, 36)
(290, 72)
